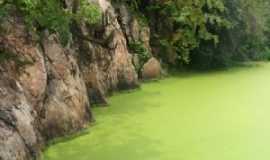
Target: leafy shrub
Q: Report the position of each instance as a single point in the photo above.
(51, 15)
(9, 56)
(3, 10)
(245, 40)
(88, 13)
(138, 48)
(185, 25)
(5, 56)
(266, 54)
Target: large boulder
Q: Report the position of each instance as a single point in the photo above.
(151, 69)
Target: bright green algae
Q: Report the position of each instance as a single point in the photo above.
(193, 116)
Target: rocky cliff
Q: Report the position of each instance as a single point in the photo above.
(46, 88)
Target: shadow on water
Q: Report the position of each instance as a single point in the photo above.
(135, 148)
(236, 68)
(69, 137)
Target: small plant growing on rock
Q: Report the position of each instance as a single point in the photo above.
(143, 54)
(20, 62)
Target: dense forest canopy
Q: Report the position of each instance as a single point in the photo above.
(194, 33)
(207, 33)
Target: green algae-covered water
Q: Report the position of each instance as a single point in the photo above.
(221, 115)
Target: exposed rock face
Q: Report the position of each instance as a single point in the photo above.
(42, 94)
(66, 106)
(19, 138)
(105, 62)
(45, 88)
(151, 69)
(134, 30)
(22, 90)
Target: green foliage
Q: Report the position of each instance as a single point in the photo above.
(138, 48)
(186, 22)
(5, 56)
(52, 15)
(9, 56)
(266, 54)
(3, 10)
(254, 16)
(88, 13)
(246, 40)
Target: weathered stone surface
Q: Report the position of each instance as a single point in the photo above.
(12, 146)
(134, 30)
(22, 85)
(45, 87)
(105, 62)
(27, 64)
(151, 69)
(42, 93)
(19, 137)
(66, 106)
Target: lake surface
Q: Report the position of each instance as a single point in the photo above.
(222, 115)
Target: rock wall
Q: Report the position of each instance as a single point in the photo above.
(105, 62)
(43, 94)
(46, 88)
(134, 27)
